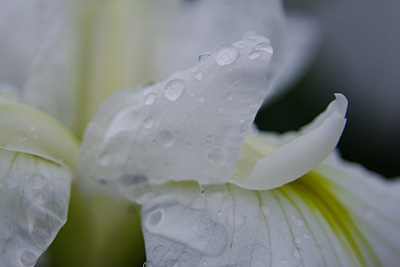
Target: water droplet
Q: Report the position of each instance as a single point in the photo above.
(229, 97)
(148, 264)
(28, 258)
(199, 76)
(105, 158)
(173, 89)
(266, 47)
(254, 54)
(21, 138)
(297, 240)
(204, 56)
(165, 138)
(32, 127)
(216, 157)
(226, 54)
(201, 98)
(306, 235)
(38, 181)
(219, 212)
(150, 98)
(148, 122)
(155, 218)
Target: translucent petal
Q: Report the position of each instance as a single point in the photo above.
(34, 196)
(314, 221)
(201, 26)
(189, 127)
(373, 202)
(294, 154)
(303, 40)
(25, 129)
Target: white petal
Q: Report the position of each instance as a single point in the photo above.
(202, 26)
(372, 201)
(34, 196)
(189, 127)
(309, 222)
(303, 40)
(295, 154)
(25, 129)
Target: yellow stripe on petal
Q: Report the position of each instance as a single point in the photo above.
(28, 130)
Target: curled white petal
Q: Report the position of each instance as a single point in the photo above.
(295, 154)
(189, 127)
(34, 196)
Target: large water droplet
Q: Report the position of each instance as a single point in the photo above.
(148, 122)
(155, 218)
(226, 54)
(165, 138)
(148, 264)
(216, 157)
(28, 258)
(173, 89)
(150, 98)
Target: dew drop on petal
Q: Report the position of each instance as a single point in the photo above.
(226, 54)
(266, 47)
(173, 89)
(148, 264)
(148, 122)
(216, 157)
(28, 258)
(150, 98)
(155, 218)
(165, 138)
(204, 56)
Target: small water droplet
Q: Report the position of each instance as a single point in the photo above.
(148, 122)
(155, 218)
(298, 221)
(166, 138)
(104, 158)
(201, 98)
(173, 89)
(148, 264)
(216, 157)
(297, 240)
(32, 127)
(199, 76)
(28, 258)
(219, 212)
(204, 56)
(229, 97)
(150, 98)
(226, 54)
(21, 138)
(306, 235)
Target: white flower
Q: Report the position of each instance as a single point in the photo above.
(213, 190)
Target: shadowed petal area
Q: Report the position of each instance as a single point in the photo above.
(280, 159)
(189, 127)
(34, 196)
(321, 219)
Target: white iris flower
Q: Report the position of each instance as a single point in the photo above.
(213, 190)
